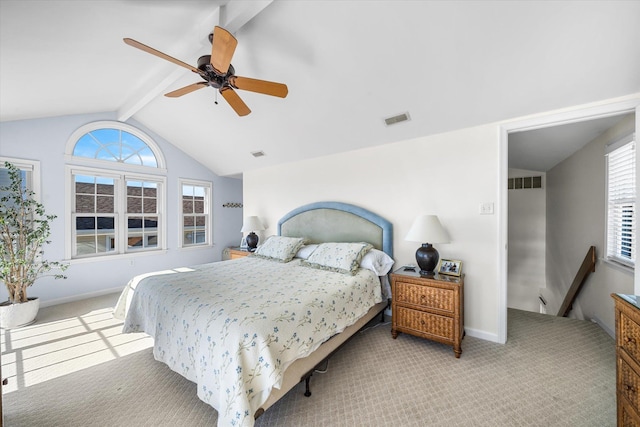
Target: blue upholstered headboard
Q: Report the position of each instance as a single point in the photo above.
(338, 222)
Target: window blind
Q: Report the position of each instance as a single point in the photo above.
(621, 203)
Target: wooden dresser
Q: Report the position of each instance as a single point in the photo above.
(627, 311)
(428, 307)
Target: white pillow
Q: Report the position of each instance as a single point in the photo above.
(280, 248)
(338, 257)
(306, 251)
(377, 261)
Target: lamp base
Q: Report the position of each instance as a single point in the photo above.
(252, 241)
(427, 258)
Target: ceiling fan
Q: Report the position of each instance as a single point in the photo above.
(217, 72)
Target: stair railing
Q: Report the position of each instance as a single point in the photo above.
(588, 266)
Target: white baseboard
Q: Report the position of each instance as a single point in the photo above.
(80, 297)
(483, 335)
(604, 327)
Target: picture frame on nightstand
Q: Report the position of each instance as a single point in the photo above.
(450, 267)
(243, 244)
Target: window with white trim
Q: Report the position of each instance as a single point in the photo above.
(117, 191)
(621, 201)
(196, 213)
(30, 172)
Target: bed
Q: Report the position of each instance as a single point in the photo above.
(215, 323)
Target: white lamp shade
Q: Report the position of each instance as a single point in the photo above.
(252, 223)
(427, 229)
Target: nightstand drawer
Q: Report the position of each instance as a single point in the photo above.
(629, 336)
(425, 296)
(629, 383)
(424, 323)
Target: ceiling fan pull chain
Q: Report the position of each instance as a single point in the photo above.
(215, 101)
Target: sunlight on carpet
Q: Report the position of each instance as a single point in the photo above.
(59, 344)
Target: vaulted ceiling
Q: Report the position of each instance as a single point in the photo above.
(347, 64)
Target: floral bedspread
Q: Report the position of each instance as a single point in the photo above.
(233, 327)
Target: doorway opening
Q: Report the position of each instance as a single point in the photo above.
(550, 135)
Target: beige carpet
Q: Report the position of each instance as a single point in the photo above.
(74, 368)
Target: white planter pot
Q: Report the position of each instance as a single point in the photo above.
(19, 314)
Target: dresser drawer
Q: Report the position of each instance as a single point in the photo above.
(422, 323)
(425, 296)
(628, 416)
(629, 336)
(629, 383)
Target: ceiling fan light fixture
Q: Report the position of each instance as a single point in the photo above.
(397, 119)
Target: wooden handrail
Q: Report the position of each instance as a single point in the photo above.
(588, 266)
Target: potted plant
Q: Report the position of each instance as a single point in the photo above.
(24, 229)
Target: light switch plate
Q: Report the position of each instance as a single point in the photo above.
(486, 208)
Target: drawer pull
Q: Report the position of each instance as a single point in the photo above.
(629, 340)
(630, 388)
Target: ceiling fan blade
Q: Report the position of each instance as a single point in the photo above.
(234, 100)
(223, 46)
(259, 86)
(159, 54)
(187, 89)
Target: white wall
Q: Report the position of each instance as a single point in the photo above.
(527, 243)
(45, 140)
(576, 210)
(449, 175)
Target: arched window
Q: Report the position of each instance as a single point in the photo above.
(117, 188)
(115, 145)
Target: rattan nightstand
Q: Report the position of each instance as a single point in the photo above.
(234, 253)
(428, 307)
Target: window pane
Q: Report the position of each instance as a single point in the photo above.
(134, 188)
(189, 221)
(85, 204)
(85, 223)
(198, 206)
(134, 204)
(134, 223)
(149, 190)
(85, 188)
(150, 206)
(106, 223)
(115, 145)
(187, 206)
(201, 221)
(85, 245)
(105, 188)
(105, 204)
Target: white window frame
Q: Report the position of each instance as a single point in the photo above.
(121, 172)
(614, 227)
(32, 166)
(121, 215)
(208, 208)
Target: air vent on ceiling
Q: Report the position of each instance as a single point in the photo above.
(257, 153)
(397, 119)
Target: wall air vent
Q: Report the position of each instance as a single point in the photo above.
(257, 153)
(526, 182)
(397, 119)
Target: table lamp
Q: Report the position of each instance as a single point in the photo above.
(427, 228)
(251, 224)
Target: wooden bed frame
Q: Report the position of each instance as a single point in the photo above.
(330, 222)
